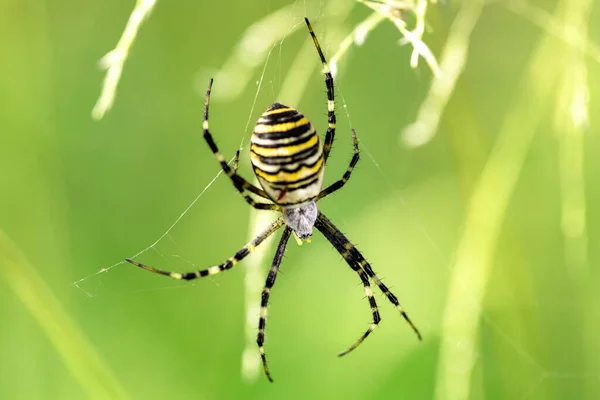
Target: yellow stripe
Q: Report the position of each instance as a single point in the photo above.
(284, 176)
(284, 127)
(284, 150)
(278, 111)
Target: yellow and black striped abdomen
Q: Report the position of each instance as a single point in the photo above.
(287, 156)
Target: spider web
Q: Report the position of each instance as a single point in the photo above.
(416, 223)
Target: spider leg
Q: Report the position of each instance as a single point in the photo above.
(240, 183)
(354, 257)
(338, 184)
(243, 252)
(343, 247)
(260, 339)
(372, 303)
(330, 95)
(391, 297)
(236, 161)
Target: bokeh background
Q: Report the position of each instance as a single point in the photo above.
(78, 196)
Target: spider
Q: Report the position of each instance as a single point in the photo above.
(289, 160)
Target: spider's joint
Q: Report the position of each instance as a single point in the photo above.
(215, 270)
(330, 105)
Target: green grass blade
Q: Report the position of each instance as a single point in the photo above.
(70, 342)
(484, 218)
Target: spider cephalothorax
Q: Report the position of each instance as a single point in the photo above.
(289, 161)
(301, 219)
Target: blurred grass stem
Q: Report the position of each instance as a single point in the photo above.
(114, 60)
(394, 12)
(484, 218)
(357, 36)
(453, 60)
(571, 122)
(77, 352)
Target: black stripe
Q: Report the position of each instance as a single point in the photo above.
(274, 119)
(277, 145)
(282, 169)
(303, 183)
(290, 133)
(242, 253)
(294, 158)
(264, 300)
(372, 302)
(276, 106)
(211, 142)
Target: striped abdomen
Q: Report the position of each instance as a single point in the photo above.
(287, 156)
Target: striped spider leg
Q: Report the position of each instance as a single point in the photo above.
(331, 121)
(358, 263)
(240, 255)
(240, 183)
(264, 301)
(338, 184)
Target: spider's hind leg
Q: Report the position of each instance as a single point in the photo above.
(391, 297)
(372, 303)
(358, 263)
(346, 249)
(239, 182)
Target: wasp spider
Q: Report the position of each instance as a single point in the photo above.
(289, 160)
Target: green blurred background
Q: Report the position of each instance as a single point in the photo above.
(78, 196)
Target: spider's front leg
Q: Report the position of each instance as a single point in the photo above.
(240, 255)
(331, 120)
(240, 183)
